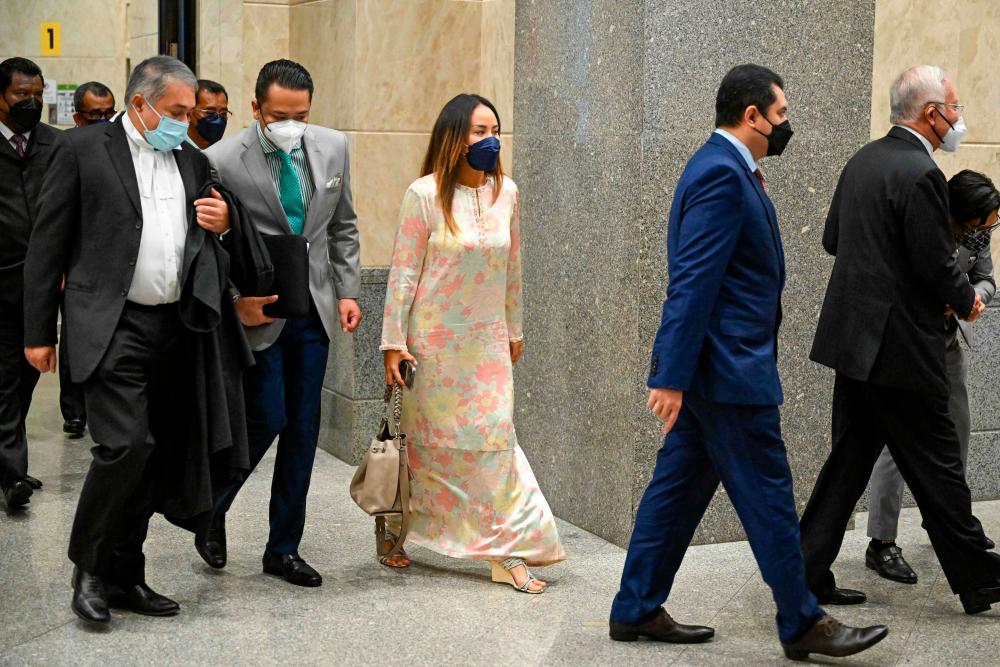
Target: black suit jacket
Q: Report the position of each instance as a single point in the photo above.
(88, 227)
(895, 270)
(20, 182)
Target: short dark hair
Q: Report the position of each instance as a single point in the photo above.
(742, 87)
(19, 65)
(210, 86)
(95, 88)
(972, 196)
(285, 73)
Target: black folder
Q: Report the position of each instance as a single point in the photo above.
(290, 257)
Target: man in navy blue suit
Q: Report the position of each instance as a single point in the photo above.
(714, 382)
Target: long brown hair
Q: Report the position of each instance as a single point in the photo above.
(447, 147)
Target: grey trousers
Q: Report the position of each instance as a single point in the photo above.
(886, 497)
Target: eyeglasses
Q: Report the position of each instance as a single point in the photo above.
(957, 107)
(98, 114)
(225, 114)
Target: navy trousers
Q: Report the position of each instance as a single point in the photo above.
(740, 446)
(282, 393)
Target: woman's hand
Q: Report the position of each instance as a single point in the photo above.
(392, 359)
(516, 350)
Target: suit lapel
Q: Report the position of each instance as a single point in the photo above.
(184, 165)
(317, 169)
(260, 175)
(121, 158)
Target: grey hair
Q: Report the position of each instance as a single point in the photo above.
(151, 77)
(914, 88)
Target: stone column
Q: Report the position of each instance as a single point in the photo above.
(611, 99)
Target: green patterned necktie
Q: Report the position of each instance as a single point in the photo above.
(290, 194)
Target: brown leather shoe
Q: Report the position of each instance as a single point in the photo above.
(661, 628)
(831, 637)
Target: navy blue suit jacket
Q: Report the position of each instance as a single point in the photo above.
(718, 335)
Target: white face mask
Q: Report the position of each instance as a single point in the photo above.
(285, 134)
(954, 136)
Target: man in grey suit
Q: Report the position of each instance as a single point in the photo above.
(292, 178)
(974, 201)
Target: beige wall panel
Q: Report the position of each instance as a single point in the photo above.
(977, 80)
(89, 29)
(382, 167)
(417, 54)
(498, 58)
(231, 66)
(141, 48)
(209, 39)
(143, 17)
(908, 33)
(265, 38)
(322, 38)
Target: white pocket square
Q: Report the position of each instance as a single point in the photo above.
(333, 183)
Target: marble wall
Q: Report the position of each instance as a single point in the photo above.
(611, 98)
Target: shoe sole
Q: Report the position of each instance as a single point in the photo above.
(158, 614)
(872, 566)
(792, 654)
(280, 574)
(626, 636)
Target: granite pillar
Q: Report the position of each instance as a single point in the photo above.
(611, 99)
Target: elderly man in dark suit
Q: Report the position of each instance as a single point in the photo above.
(714, 382)
(114, 219)
(26, 148)
(881, 330)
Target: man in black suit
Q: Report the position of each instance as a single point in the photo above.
(26, 147)
(113, 219)
(880, 329)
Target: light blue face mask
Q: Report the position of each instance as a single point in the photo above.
(168, 135)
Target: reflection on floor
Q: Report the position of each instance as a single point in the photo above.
(441, 611)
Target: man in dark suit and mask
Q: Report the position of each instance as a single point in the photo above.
(881, 330)
(26, 147)
(114, 219)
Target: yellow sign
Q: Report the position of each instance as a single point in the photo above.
(51, 36)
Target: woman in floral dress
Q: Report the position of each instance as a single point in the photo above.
(453, 308)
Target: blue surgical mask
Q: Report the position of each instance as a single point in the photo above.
(211, 128)
(483, 155)
(168, 135)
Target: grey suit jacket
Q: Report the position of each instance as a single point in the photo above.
(980, 272)
(331, 223)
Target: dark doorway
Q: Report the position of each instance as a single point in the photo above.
(179, 31)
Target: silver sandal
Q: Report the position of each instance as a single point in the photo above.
(500, 571)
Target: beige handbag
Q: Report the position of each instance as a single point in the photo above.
(381, 484)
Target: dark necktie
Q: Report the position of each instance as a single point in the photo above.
(19, 144)
(760, 177)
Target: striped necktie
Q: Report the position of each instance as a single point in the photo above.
(19, 144)
(290, 194)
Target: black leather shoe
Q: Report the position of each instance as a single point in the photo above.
(292, 569)
(89, 600)
(986, 543)
(74, 428)
(831, 637)
(887, 560)
(661, 628)
(35, 484)
(980, 599)
(841, 596)
(210, 542)
(141, 599)
(17, 493)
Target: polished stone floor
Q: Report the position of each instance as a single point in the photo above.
(440, 612)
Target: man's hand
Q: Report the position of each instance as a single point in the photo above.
(42, 358)
(978, 308)
(212, 213)
(516, 350)
(251, 310)
(391, 359)
(350, 314)
(666, 404)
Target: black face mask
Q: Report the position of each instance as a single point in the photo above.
(25, 114)
(781, 134)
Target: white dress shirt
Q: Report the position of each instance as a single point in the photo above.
(164, 222)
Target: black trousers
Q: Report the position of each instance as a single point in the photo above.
(71, 397)
(924, 444)
(17, 382)
(129, 401)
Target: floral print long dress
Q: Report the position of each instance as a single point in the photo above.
(454, 302)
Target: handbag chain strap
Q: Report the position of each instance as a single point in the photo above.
(394, 394)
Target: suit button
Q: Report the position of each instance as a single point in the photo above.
(138, 225)
(131, 262)
(124, 292)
